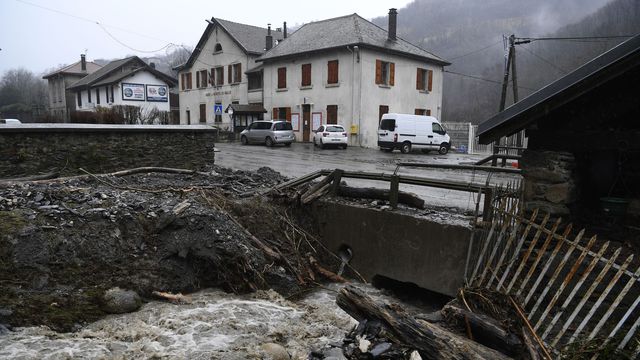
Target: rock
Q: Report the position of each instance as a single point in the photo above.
(333, 354)
(560, 193)
(415, 355)
(275, 352)
(119, 301)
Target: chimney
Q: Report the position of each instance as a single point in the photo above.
(153, 65)
(284, 29)
(393, 22)
(269, 40)
(83, 62)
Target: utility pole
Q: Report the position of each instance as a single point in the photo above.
(510, 66)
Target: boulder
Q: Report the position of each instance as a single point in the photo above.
(274, 351)
(119, 301)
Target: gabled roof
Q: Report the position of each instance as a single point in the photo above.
(610, 65)
(344, 31)
(75, 69)
(117, 70)
(251, 39)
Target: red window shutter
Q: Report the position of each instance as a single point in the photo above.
(275, 114)
(288, 114)
(306, 74)
(419, 85)
(189, 81)
(230, 74)
(430, 80)
(378, 71)
(212, 77)
(392, 71)
(282, 78)
(198, 79)
(332, 77)
(428, 112)
(182, 80)
(239, 72)
(418, 112)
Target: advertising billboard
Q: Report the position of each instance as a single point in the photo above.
(132, 92)
(157, 93)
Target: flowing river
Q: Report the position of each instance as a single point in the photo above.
(215, 325)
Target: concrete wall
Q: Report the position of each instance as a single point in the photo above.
(460, 133)
(40, 148)
(226, 94)
(428, 253)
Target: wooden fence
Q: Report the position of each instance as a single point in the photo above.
(577, 291)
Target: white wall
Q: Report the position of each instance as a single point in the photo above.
(210, 95)
(141, 77)
(319, 94)
(358, 96)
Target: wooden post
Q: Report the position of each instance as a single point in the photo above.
(393, 192)
(337, 178)
(486, 211)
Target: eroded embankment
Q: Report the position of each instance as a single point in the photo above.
(63, 243)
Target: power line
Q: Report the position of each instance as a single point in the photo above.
(476, 51)
(545, 60)
(102, 26)
(129, 47)
(483, 79)
(575, 38)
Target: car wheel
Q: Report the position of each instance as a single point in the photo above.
(244, 140)
(287, 144)
(269, 142)
(443, 149)
(406, 147)
(344, 147)
(314, 142)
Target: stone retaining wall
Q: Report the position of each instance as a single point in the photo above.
(549, 181)
(31, 149)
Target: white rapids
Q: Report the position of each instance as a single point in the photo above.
(215, 325)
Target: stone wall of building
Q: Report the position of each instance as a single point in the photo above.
(42, 148)
(550, 184)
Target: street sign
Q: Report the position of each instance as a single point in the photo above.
(217, 109)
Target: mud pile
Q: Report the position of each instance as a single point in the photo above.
(63, 243)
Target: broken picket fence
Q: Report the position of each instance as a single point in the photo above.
(575, 289)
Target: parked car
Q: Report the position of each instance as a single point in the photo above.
(268, 133)
(330, 135)
(10, 121)
(406, 132)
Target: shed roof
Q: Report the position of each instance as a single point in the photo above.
(610, 65)
(117, 70)
(75, 69)
(349, 30)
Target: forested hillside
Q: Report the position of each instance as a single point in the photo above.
(469, 34)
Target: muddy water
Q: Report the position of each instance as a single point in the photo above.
(215, 325)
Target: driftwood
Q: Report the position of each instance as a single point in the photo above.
(324, 272)
(430, 340)
(485, 330)
(47, 176)
(317, 190)
(380, 194)
(174, 298)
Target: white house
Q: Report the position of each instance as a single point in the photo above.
(349, 71)
(61, 101)
(214, 76)
(128, 81)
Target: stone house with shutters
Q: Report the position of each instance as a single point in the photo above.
(349, 71)
(215, 76)
(62, 101)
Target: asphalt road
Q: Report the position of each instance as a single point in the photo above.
(303, 158)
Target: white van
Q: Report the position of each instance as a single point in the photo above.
(406, 132)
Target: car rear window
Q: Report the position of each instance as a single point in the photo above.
(388, 124)
(334, 129)
(283, 126)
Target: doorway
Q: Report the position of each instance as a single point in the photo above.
(306, 122)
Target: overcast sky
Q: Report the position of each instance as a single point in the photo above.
(43, 34)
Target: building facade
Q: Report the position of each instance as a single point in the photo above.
(62, 101)
(215, 76)
(349, 71)
(128, 81)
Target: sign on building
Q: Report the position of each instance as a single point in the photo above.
(158, 93)
(132, 92)
(217, 109)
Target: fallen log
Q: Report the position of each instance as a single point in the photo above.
(380, 194)
(485, 330)
(316, 190)
(324, 272)
(430, 340)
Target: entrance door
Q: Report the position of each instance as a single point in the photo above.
(306, 122)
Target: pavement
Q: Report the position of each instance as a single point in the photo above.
(302, 158)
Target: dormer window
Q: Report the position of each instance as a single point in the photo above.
(217, 48)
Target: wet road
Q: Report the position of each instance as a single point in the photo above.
(303, 158)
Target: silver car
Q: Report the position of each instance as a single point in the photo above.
(268, 133)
